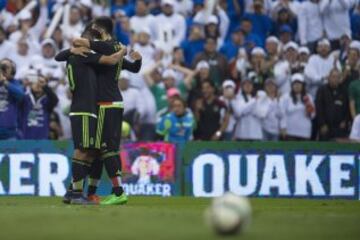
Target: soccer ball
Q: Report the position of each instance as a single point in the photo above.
(229, 214)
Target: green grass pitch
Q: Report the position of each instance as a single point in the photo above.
(174, 218)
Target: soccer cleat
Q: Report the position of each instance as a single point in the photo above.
(67, 197)
(94, 198)
(115, 200)
(79, 199)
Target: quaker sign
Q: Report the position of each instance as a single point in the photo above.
(273, 174)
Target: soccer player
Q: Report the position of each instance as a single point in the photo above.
(110, 111)
(83, 115)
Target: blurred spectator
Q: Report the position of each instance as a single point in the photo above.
(123, 31)
(6, 47)
(319, 66)
(352, 64)
(21, 56)
(285, 34)
(177, 126)
(142, 19)
(272, 47)
(258, 67)
(202, 74)
(284, 17)
(248, 123)
(194, 44)
(332, 107)
(271, 105)
(336, 20)
(231, 47)
(211, 114)
(124, 6)
(354, 98)
(170, 27)
(311, 27)
(36, 108)
(262, 25)
(11, 93)
(249, 5)
(132, 100)
(228, 95)
(355, 130)
(297, 110)
(251, 38)
(217, 62)
(293, 6)
(72, 25)
(355, 22)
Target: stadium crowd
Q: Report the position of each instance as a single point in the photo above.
(212, 70)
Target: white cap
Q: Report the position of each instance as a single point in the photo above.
(168, 73)
(304, 50)
(86, 3)
(258, 51)
(324, 42)
(25, 15)
(228, 83)
(273, 39)
(212, 20)
(49, 41)
(168, 2)
(124, 75)
(145, 30)
(292, 45)
(355, 45)
(297, 77)
(202, 64)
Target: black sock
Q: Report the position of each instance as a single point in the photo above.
(80, 169)
(95, 176)
(113, 169)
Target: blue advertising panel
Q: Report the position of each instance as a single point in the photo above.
(271, 171)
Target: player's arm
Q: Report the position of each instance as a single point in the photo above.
(113, 58)
(98, 46)
(134, 66)
(65, 54)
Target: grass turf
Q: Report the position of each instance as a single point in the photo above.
(173, 218)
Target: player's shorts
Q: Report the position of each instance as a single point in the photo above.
(110, 117)
(83, 127)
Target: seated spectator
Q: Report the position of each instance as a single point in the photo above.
(177, 126)
(11, 93)
(217, 62)
(244, 106)
(319, 66)
(271, 105)
(36, 107)
(211, 114)
(297, 110)
(332, 109)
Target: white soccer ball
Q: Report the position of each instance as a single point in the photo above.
(229, 214)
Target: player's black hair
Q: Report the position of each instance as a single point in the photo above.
(90, 33)
(104, 23)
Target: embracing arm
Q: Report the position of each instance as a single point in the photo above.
(65, 54)
(133, 67)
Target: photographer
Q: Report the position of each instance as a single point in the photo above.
(11, 92)
(36, 108)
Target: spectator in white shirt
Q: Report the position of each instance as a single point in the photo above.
(142, 19)
(228, 94)
(271, 105)
(319, 66)
(133, 101)
(304, 55)
(311, 27)
(292, 5)
(249, 6)
(285, 68)
(297, 109)
(21, 57)
(6, 47)
(72, 24)
(248, 123)
(171, 27)
(336, 19)
(355, 130)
